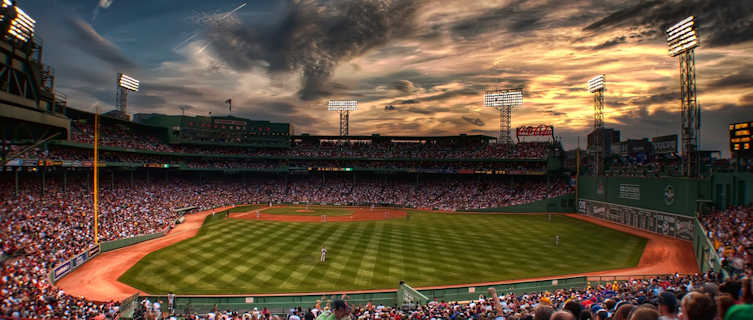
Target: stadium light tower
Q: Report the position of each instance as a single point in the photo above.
(597, 86)
(503, 100)
(21, 25)
(344, 107)
(682, 40)
(124, 84)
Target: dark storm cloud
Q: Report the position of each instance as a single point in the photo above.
(721, 22)
(144, 100)
(656, 99)
(277, 111)
(86, 39)
(404, 86)
(510, 17)
(278, 107)
(417, 79)
(407, 101)
(474, 121)
(314, 37)
(611, 43)
(472, 91)
(517, 17)
(742, 79)
(174, 89)
(429, 110)
(440, 96)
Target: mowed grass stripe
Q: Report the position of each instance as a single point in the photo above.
(233, 256)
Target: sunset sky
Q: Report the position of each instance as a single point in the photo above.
(416, 67)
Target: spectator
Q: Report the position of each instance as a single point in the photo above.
(645, 312)
(667, 305)
(698, 306)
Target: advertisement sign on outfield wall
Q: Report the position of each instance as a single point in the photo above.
(66, 267)
(667, 224)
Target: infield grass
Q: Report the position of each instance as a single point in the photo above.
(235, 256)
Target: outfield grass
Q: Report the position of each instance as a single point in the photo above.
(235, 256)
(317, 211)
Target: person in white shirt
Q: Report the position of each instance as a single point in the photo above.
(324, 254)
(171, 302)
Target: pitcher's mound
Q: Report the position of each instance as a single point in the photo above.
(304, 211)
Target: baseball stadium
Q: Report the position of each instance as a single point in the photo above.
(111, 211)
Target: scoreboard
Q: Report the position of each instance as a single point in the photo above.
(741, 137)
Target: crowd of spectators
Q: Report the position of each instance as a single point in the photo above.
(730, 231)
(669, 297)
(632, 167)
(213, 162)
(122, 136)
(44, 228)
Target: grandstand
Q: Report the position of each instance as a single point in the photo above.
(230, 213)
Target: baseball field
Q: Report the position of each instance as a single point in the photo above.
(271, 252)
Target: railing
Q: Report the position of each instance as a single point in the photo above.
(388, 297)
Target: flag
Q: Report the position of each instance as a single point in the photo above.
(229, 102)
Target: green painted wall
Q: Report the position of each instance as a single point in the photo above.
(732, 189)
(673, 195)
(117, 244)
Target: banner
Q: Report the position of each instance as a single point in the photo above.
(540, 130)
(79, 259)
(665, 144)
(663, 223)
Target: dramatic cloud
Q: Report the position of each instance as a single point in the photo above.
(611, 43)
(313, 38)
(86, 39)
(720, 22)
(474, 121)
(417, 67)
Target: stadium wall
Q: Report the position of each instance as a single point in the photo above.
(732, 189)
(62, 269)
(665, 206)
(282, 303)
(670, 195)
(117, 244)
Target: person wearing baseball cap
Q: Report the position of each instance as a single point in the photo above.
(339, 311)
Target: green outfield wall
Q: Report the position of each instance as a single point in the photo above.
(117, 244)
(665, 206)
(282, 303)
(732, 189)
(670, 195)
